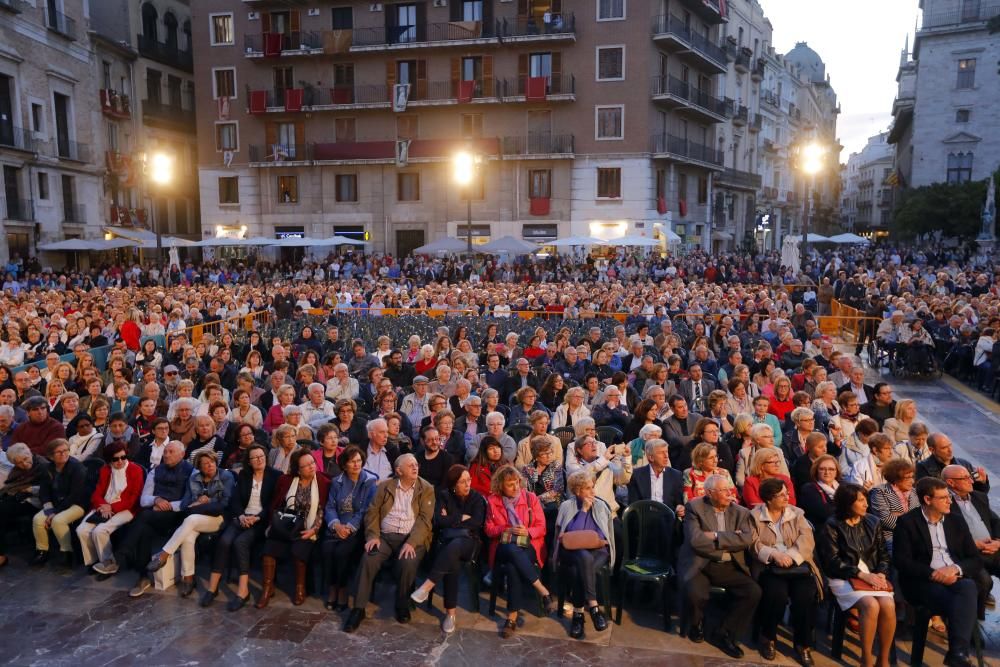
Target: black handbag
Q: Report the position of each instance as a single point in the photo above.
(286, 524)
(793, 571)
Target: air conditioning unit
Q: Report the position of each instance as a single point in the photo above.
(440, 3)
(314, 11)
(253, 16)
(375, 7)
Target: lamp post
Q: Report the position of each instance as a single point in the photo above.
(810, 163)
(161, 173)
(467, 166)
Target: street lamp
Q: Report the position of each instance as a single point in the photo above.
(161, 173)
(467, 167)
(810, 162)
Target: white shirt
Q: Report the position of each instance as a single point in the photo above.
(378, 464)
(655, 485)
(400, 518)
(939, 555)
(254, 508)
(156, 452)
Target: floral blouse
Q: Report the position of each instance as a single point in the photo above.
(549, 484)
(694, 483)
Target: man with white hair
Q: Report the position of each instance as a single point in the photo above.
(398, 525)
(381, 454)
(657, 480)
(444, 383)
(717, 534)
(342, 385)
(316, 410)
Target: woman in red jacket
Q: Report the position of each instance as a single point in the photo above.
(515, 524)
(114, 503)
(485, 463)
(131, 331)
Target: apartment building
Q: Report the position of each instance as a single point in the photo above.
(867, 199)
(48, 110)
(945, 125)
(595, 117)
(144, 68)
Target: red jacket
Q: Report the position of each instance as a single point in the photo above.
(130, 333)
(129, 500)
(528, 510)
(38, 436)
(481, 478)
(751, 490)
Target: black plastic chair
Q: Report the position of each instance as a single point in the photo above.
(566, 435)
(922, 617)
(603, 586)
(518, 431)
(647, 539)
(499, 573)
(609, 435)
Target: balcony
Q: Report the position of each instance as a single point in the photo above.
(741, 116)
(538, 146)
(115, 104)
(439, 93)
(60, 24)
(709, 10)
(740, 180)
(886, 199)
(562, 27)
(165, 54)
(969, 12)
(757, 71)
(553, 88)
(756, 123)
(13, 6)
(674, 93)
(429, 35)
(337, 98)
(17, 138)
(682, 150)
(173, 114)
(369, 152)
(676, 36)
(72, 150)
(769, 146)
(75, 214)
(281, 153)
(771, 99)
(741, 60)
(19, 210)
(275, 44)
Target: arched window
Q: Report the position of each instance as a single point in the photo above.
(170, 23)
(149, 22)
(960, 167)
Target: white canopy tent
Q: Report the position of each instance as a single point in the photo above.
(671, 236)
(849, 238)
(570, 241)
(811, 238)
(634, 242)
(293, 242)
(445, 244)
(167, 242)
(345, 240)
(508, 245)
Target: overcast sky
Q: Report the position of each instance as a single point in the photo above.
(860, 42)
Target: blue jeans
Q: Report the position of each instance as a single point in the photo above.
(582, 566)
(520, 566)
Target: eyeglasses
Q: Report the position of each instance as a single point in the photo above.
(964, 478)
(123, 457)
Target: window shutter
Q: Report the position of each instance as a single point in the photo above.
(488, 76)
(300, 133)
(265, 22)
(390, 78)
(557, 6)
(556, 86)
(421, 79)
(455, 10)
(271, 136)
(456, 75)
(488, 27)
(522, 9)
(295, 22)
(422, 22)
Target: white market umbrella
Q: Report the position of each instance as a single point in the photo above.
(444, 244)
(848, 238)
(68, 245)
(344, 240)
(293, 242)
(508, 245)
(576, 241)
(634, 242)
(811, 238)
(670, 235)
(167, 242)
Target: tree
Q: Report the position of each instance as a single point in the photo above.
(953, 208)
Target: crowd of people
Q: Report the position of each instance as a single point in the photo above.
(502, 449)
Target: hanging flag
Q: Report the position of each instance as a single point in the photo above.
(402, 152)
(223, 107)
(400, 97)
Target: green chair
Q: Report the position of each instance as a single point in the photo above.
(646, 545)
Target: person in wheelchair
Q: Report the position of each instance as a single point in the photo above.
(888, 334)
(916, 344)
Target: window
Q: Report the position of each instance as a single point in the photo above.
(610, 63)
(472, 125)
(472, 10)
(703, 191)
(229, 190)
(43, 185)
(610, 10)
(408, 186)
(70, 212)
(406, 24)
(540, 183)
(226, 137)
(472, 68)
(37, 118)
(106, 73)
(113, 137)
(224, 82)
(347, 187)
(288, 189)
(540, 64)
(959, 167)
(966, 73)
(610, 122)
(221, 29)
(609, 183)
(661, 183)
(962, 116)
(682, 187)
(343, 18)
(407, 126)
(344, 130)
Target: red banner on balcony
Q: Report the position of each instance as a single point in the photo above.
(465, 91)
(272, 44)
(293, 99)
(342, 95)
(661, 205)
(258, 101)
(540, 205)
(534, 88)
(682, 208)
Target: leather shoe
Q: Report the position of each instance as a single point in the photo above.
(40, 558)
(696, 633)
(597, 616)
(576, 626)
(509, 628)
(237, 603)
(957, 660)
(208, 597)
(402, 614)
(185, 587)
(729, 646)
(804, 655)
(549, 605)
(767, 650)
(354, 620)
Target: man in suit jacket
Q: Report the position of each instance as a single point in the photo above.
(522, 377)
(943, 580)
(984, 524)
(717, 533)
(696, 388)
(668, 488)
(865, 392)
(679, 427)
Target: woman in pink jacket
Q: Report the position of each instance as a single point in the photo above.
(515, 524)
